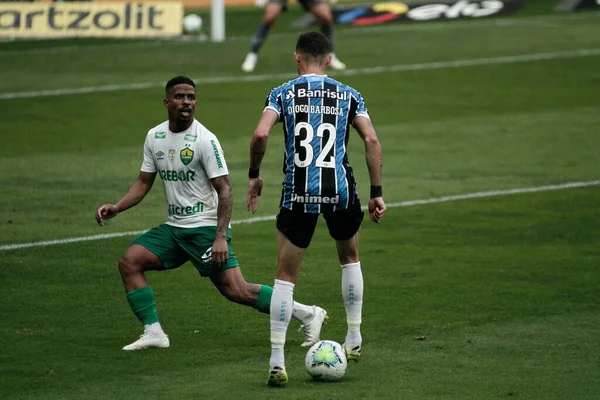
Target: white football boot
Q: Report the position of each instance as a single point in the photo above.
(336, 63)
(249, 62)
(147, 341)
(312, 327)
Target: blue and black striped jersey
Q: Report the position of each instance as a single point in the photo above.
(317, 112)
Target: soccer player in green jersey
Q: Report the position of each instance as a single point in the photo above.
(189, 160)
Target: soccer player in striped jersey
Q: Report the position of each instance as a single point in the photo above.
(317, 113)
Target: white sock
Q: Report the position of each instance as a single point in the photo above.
(282, 302)
(154, 329)
(352, 292)
(302, 312)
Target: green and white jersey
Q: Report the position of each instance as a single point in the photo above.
(186, 162)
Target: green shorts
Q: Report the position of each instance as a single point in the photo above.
(174, 246)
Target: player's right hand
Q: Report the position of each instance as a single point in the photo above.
(254, 190)
(105, 212)
(376, 209)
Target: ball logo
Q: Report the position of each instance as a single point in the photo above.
(326, 355)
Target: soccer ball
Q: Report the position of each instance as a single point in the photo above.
(326, 361)
(192, 23)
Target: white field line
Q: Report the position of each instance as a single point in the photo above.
(350, 72)
(410, 203)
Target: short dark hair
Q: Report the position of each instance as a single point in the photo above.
(178, 80)
(314, 45)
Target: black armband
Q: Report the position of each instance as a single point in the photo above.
(253, 173)
(376, 191)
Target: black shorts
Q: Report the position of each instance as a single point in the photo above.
(307, 4)
(299, 227)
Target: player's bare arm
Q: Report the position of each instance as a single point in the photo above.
(258, 147)
(136, 192)
(223, 188)
(374, 160)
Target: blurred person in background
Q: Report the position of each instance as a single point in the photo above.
(319, 8)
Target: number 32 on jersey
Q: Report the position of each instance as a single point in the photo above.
(305, 132)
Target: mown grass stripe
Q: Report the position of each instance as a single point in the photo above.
(469, 62)
(409, 203)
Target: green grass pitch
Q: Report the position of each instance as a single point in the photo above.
(475, 298)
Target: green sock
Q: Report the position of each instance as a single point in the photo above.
(263, 304)
(142, 303)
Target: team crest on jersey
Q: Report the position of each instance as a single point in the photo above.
(160, 135)
(186, 155)
(290, 94)
(171, 155)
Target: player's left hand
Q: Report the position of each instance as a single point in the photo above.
(220, 252)
(254, 190)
